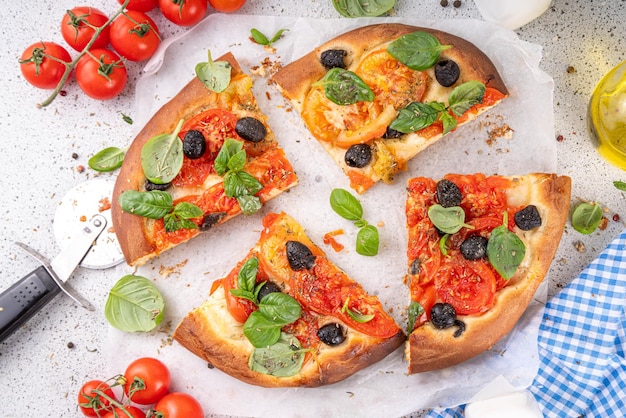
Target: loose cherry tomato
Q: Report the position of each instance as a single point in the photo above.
(90, 399)
(179, 405)
(140, 5)
(101, 74)
(123, 413)
(134, 35)
(42, 64)
(183, 12)
(147, 380)
(79, 25)
(227, 6)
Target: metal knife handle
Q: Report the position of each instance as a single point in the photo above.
(24, 299)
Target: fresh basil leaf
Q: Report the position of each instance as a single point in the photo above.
(417, 50)
(363, 8)
(344, 87)
(108, 159)
(346, 205)
(586, 217)
(249, 204)
(172, 223)
(449, 122)
(281, 308)
(416, 116)
(154, 204)
(415, 311)
(505, 250)
(237, 161)
(367, 241)
(186, 210)
(620, 185)
(465, 96)
(233, 185)
(258, 37)
(260, 330)
(134, 304)
(127, 119)
(229, 149)
(278, 35)
(448, 220)
(246, 278)
(443, 244)
(282, 359)
(356, 316)
(162, 157)
(251, 184)
(215, 75)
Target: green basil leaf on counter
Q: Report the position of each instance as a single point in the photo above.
(363, 8)
(162, 156)
(154, 204)
(127, 119)
(282, 359)
(344, 87)
(586, 217)
(448, 220)
(108, 159)
(465, 96)
(261, 39)
(415, 311)
(367, 241)
(215, 75)
(505, 250)
(417, 50)
(346, 205)
(620, 185)
(134, 304)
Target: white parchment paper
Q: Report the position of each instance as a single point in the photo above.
(184, 275)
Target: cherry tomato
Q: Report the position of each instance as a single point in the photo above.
(123, 413)
(101, 74)
(147, 380)
(134, 35)
(183, 12)
(227, 6)
(140, 5)
(41, 64)
(90, 399)
(179, 405)
(78, 27)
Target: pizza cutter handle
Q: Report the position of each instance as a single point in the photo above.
(24, 299)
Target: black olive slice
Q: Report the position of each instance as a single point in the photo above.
(443, 315)
(251, 129)
(448, 193)
(358, 155)
(474, 247)
(149, 186)
(210, 220)
(299, 256)
(194, 144)
(391, 133)
(268, 287)
(331, 334)
(447, 72)
(333, 58)
(528, 218)
(415, 267)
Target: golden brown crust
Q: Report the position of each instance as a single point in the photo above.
(429, 348)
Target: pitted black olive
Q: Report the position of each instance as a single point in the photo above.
(149, 186)
(268, 287)
(299, 256)
(331, 334)
(210, 220)
(448, 193)
(333, 58)
(447, 72)
(251, 129)
(194, 144)
(415, 267)
(358, 155)
(528, 218)
(391, 133)
(474, 247)
(443, 315)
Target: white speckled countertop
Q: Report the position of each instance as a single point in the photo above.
(44, 363)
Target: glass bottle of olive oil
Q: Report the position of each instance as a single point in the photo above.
(607, 116)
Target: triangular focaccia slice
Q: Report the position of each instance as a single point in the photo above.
(233, 113)
(341, 328)
(447, 75)
(469, 288)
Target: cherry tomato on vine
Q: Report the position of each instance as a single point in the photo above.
(184, 12)
(42, 64)
(179, 405)
(140, 5)
(134, 35)
(79, 25)
(119, 413)
(101, 74)
(227, 6)
(90, 399)
(147, 380)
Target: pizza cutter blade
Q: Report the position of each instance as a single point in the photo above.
(76, 208)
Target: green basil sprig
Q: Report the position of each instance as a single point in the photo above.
(282, 359)
(505, 250)
(215, 75)
(108, 159)
(448, 220)
(415, 311)
(247, 287)
(418, 115)
(586, 217)
(237, 183)
(162, 156)
(344, 87)
(363, 8)
(348, 207)
(134, 304)
(417, 50)
(261, 39)
(157, 204)
(275, 310)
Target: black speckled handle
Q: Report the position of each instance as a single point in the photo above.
(24, 299)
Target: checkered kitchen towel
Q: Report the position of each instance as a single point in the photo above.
(582, 341)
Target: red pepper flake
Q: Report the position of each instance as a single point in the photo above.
(559, 138)
(616, 217)
(329, 239)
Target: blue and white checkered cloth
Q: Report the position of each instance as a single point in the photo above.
(582, 341)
